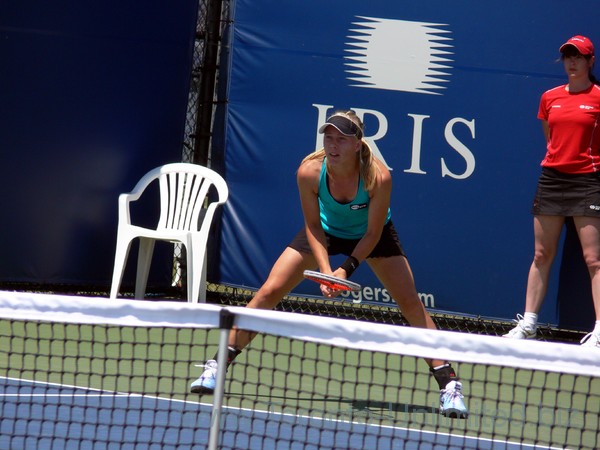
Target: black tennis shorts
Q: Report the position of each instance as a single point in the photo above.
(388, 245)
(567, 195)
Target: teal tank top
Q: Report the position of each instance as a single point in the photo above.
(344, 220)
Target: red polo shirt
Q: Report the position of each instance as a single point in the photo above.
(574, 140)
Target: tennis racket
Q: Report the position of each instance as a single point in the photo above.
(338, 284)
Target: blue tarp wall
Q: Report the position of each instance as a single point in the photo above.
(92, 96)
(449, 93)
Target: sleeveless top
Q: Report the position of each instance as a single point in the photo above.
(344, 220)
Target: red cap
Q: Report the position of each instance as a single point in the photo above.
(581, 43)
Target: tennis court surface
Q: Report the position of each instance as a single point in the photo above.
(79, 372)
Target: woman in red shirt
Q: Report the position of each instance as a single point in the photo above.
(569, 185)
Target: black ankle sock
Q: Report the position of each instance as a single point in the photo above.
(443, 375)
(232, 353)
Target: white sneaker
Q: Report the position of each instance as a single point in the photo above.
(522, 330)
(205, 384)
(451, 401)
(591, 340)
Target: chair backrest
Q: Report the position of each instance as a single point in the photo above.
(184, 190)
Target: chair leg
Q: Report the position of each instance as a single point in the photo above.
(143, 266)
(203, 281)
(121, 253)
(196, 273)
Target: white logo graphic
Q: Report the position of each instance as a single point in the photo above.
(399, 55)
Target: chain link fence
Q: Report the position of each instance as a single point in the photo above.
(213, 18)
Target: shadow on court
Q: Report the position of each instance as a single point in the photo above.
(336, 404)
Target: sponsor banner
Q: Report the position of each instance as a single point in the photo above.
(448, 93)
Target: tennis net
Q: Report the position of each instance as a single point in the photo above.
(80, 372)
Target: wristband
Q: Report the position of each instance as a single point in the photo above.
(350, 265)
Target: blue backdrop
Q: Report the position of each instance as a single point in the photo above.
(449, 95)
(92, 96)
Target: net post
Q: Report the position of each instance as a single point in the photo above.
(226, 319)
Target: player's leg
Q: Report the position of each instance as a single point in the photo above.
(588, 229)
(546, 230)
(286, 273)
(396, 276)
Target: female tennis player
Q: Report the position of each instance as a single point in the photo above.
(569, 185)
(345, 195)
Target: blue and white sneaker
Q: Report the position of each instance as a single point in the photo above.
(207, 381)
(451, 401)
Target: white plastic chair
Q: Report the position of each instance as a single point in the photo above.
(186, 215)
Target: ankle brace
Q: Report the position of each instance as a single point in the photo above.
(232, 353)
(443, 374)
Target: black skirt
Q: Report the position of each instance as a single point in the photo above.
(388, 245)
(567, 195)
